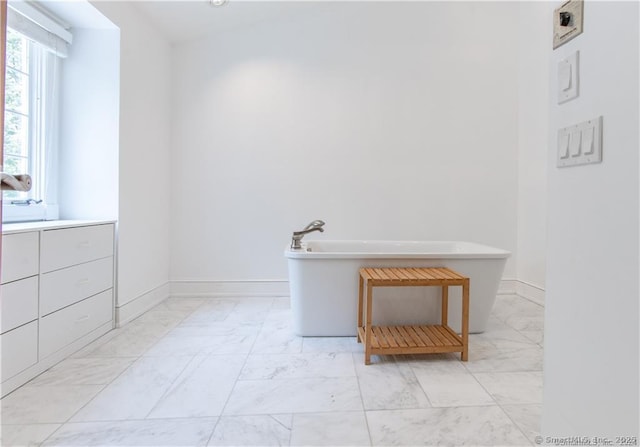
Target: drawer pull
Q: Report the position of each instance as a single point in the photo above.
(84, 244)
(82, 282)
(83, 318)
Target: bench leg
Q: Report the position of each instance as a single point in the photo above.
(360, 287)
(445, 306)
(367, 329)
(465, 321)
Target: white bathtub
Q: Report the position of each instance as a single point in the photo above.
(323, 280)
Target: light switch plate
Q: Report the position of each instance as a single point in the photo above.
(580, 144)
(573, 10)
(568, 78)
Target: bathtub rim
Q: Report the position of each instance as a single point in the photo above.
(480, 251)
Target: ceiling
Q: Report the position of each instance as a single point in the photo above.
(190, 19)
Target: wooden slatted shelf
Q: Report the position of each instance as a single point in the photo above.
(411, 339)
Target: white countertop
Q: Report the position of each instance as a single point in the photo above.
(21, 227)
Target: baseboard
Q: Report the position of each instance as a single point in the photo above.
(530, 292)
(138, 306)
(271, 288)
(507, 287)
(229, 288)
(523, 289)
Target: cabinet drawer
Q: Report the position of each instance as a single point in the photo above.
(18, 303)
(19, 349)
(19, 256)
(63, 287)
(71, 246)
(61, 328)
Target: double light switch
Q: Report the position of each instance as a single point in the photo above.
(580, 144)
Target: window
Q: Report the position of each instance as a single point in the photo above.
(18, 158)
(31, 111)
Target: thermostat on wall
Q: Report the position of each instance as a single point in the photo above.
(567, 22)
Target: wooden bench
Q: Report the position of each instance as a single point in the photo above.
(411, 339)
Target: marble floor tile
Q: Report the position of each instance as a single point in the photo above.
(494, 324)
(212, 310)
(81, 353)
(84, 371)
(50, 404)
(26, 435)
(231, 344)
(217, 328)
(281, 302)
(296, 366)
(331, 344)
(294, 396)
(202, 389)
(131, 341)
(513, 387)
(153, 433)
(171, 345)
(170, 317)
(434, 363)
(253, 304)
(135, 392)
(504, 338)
(277, 338)
(250, 310)
(476, 426)
(262, 430)
(277, 316)
(230, 371)
(453, 390)
(509, 305)
(490, 359)
(534, 336)
(330, 429)
(527, 418)
(526, 323)
(389, 385)
(124, 345)
(149, 327)
(182, 303)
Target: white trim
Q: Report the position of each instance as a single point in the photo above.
(23, 377)
(523, 289)
(507, 287)
(268, 288)
(137, 306)
(530, 292)
(271, 288)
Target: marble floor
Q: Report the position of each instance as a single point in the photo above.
(198, 371)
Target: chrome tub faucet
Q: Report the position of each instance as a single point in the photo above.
(316, 225)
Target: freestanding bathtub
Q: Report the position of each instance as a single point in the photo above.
(323, 281)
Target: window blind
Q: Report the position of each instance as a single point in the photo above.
(39, 27)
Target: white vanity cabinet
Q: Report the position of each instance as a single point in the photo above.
(56, 294)
(19, 302)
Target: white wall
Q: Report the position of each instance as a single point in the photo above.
(388, 121)
(591, 314)
(533, 116)
(88, 186)
(143, 230)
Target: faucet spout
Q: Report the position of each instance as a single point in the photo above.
(316, 225)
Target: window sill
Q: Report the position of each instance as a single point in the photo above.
(28, 213)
